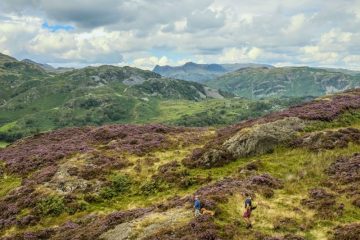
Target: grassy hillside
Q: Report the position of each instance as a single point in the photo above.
(285, 81)
(33, 100)
(300, 165)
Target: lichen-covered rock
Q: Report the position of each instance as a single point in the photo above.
(249, 141)
(263, 138)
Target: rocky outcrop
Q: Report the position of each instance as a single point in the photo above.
(263, 138)
(249, 141)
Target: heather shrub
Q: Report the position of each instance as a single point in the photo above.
(51, 206)
(347, 232)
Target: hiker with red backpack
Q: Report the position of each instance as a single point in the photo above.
(248, 209)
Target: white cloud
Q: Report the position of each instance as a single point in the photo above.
(296, 23)
(149, 62)
(129, 31)
(232, 55)
(314, 54)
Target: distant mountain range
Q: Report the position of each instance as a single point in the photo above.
(202, 72)
(34, 97)
(285, 81)
(256, 81)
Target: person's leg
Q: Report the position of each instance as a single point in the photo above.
(247, 222)
(197, 212)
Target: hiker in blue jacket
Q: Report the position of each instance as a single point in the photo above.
(197, 206)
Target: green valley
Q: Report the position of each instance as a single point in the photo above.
(37, 100)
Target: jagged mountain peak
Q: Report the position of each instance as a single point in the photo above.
(201, 72)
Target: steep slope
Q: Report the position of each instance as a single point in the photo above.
(5, 58)
(17, 76)
(201, 72)
(286, 81)
(46, 67)
(300, 165)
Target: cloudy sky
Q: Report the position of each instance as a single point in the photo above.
(144, 33)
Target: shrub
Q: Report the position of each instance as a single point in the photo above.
(51, 206)
(187, 182)
(108, 193)
(150, 188)
(119, 184)
(92, 198)
(74, 207)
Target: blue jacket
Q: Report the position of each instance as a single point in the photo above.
(197, 204)
(248, 202)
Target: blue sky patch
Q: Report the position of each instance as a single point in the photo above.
(57, 27)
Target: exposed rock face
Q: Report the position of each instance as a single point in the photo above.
(258, 139)
(263, 138)
(213, 93)
(134, 80)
